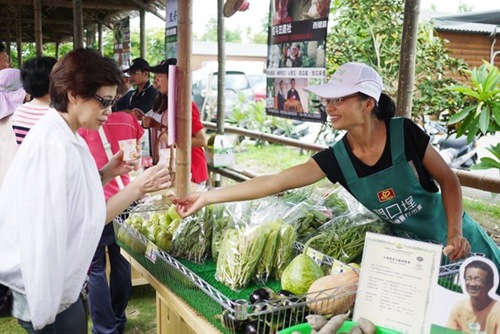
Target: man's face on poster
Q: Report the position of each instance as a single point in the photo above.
(477, 282)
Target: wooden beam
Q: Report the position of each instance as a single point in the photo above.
(78, 21)
(149, 8)
(142, 32)
(37, 13)
(68, 4)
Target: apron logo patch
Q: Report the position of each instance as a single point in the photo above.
(386, 195)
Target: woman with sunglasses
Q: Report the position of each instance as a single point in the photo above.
(386, 163)
(52, 206)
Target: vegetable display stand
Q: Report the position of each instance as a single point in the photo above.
(225, 310)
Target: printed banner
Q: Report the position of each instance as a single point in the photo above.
(171, 40)
(296, 57)
(121, 34)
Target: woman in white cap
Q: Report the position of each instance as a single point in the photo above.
(387, 163)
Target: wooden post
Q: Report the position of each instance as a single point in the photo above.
(99, 37)
(184, 112)
(19, 41)
(142, 32)
(78, 24)
(37, 13)
(407, 58)
(221, 71)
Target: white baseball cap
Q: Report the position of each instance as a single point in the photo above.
(348, 79)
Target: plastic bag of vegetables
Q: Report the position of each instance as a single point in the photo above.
(343, 238)
(193, 237)
(239, 255)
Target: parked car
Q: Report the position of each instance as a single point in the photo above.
(237, 88)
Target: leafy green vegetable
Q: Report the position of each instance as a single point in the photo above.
(239, 255)
(344, 238)
(284, 250)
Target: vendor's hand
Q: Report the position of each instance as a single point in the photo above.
(153, 179)
(457, 247)
(190, 204)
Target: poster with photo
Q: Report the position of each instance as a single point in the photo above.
(171, 39)
(467, 301)
(121, 44)
(296, 57)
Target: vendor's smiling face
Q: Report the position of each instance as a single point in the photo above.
(477, 282)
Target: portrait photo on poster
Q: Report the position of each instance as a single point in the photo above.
(477, 308)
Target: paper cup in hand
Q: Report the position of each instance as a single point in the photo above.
(129, 148)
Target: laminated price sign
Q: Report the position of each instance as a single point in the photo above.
(151, 250)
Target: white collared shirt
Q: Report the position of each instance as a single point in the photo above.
(52, 213)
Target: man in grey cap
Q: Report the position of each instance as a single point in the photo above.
(140, 100)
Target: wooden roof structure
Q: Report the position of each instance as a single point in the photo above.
(21, 20)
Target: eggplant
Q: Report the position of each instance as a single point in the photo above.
(261, 295)
(257, 327)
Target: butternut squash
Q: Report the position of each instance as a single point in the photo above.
(333, 294)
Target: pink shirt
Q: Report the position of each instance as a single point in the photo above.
(25, 116)
(119, 126)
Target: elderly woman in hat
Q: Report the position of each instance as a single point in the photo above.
(387, 163)
(157, 121)
(52, 206)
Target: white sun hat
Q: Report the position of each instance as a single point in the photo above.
(350, 78)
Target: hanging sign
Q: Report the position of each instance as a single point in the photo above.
(296, 57)
(121, 33)
(171, 36)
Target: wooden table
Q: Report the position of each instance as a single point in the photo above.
(173, 315)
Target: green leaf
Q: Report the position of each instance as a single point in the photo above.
(484, 120)
(461, 115)
(486, 163)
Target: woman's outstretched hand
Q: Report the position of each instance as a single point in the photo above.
(190, 204)
(153, 179)
(116, 167)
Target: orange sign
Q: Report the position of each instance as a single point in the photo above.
(386, 195)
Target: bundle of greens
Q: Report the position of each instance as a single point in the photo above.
(193, 238)
(284, 250)
(343, 238)
(239, 255)
(266, 263)
(221, 220)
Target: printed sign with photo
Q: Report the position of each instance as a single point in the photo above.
(469, 303)
(296, 58)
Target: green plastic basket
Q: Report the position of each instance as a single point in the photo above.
(346, 327)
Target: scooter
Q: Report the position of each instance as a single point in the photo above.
(457, 152)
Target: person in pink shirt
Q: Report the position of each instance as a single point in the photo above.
(35, 78)
(109, 301)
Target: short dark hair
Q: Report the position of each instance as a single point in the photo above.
(2, 48)
(35, 74)
(483, 266)
(83, 72)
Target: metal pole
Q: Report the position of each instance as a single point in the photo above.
(184, 111)
(407, 58)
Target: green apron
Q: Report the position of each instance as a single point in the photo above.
(395, 195)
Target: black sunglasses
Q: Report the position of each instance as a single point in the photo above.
(106, 103)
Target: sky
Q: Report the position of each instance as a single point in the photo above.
(203, 10)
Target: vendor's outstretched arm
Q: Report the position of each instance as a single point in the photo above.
(451, 193)
(261, 186)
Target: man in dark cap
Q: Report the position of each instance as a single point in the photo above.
(140, 100)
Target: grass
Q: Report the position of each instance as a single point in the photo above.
(141, 314)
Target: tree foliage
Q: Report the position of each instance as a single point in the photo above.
(370, 32)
